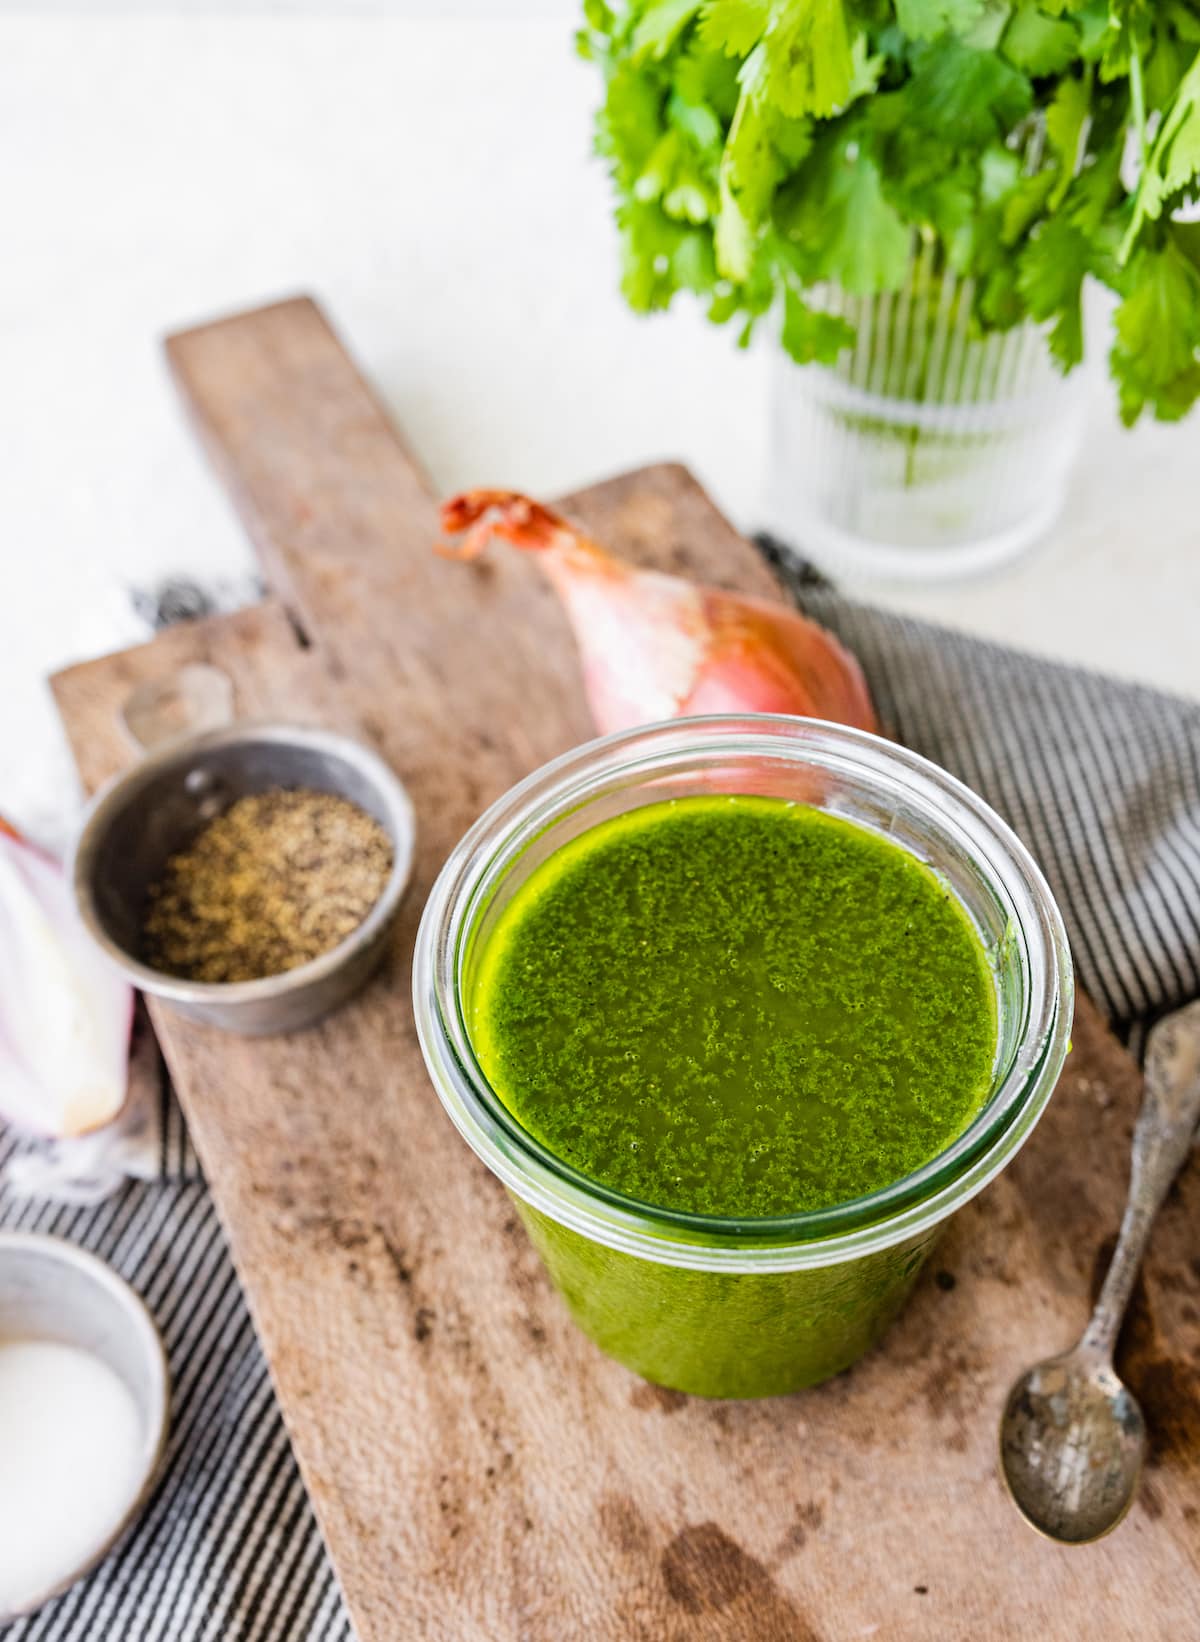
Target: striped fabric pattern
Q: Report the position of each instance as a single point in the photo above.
(228, 1548)
(1101, 780)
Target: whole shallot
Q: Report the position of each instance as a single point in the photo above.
(657, 647)
(65, 1016)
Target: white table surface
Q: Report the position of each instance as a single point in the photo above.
(429, 178)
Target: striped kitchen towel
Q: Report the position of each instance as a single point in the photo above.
(1102, 780)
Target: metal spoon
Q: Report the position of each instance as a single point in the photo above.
(1072, 1437)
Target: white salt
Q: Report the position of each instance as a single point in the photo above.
(70, 1445)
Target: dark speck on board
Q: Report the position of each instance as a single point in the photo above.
(705, 1572)
(809, 1517)
(704, 1569)
(399, 1264)
(624, 1525)
(647, 1397)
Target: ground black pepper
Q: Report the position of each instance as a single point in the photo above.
(277, 879)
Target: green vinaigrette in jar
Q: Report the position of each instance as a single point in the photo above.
(735, 1006)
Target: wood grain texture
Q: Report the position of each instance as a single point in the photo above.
(479, 1470)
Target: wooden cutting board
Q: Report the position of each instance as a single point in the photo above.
(480, 1471)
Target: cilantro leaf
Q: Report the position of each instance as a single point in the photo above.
(698, 121)
(869, 244)
(692, 262)
(1050, 279)
(1158, 333)
(1185, 236)
(942, 198)
(688, 199)
(629, 124)
(1166, 65)
(707, 77)
(1174, 159)
(1094, 23)
(808, 334)
(964, 95)
(1039, 44)
(750, 167)
(1183, 18)
(866, 69)
(658, 170)
(734, 26)
(761, 147)
(733, 236)
(985, 36)
(1025, 204)
(649, 239)
(661, 25)
(792, 139)
(926, 19)
(1066, 116)
(1000, 303)
(999, 173)
(810, 68)
(1124, 38)
(1092, 190)
(1155, 320)
(674, 176)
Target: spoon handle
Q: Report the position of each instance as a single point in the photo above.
(1162, 1139)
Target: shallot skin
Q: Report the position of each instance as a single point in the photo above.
(657, 647)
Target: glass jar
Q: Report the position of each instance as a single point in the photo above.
(928, 449)
(717, 1306)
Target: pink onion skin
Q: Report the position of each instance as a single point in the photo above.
(656, 647)
(65, 1014)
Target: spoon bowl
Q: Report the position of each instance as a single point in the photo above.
(1072, 1437)
(1072, 1444)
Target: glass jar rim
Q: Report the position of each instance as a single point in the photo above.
(898, 1211)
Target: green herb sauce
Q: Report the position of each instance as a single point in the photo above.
(736, 1006)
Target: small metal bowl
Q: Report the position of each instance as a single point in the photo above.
(140, 819)
(51, 1290)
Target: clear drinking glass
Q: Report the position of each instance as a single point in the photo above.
(928, 449)
(708, 1304)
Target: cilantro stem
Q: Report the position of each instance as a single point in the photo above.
(912, 440)
(1137, 101)
(1137, 98)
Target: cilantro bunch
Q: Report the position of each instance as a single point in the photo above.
(763, 148)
